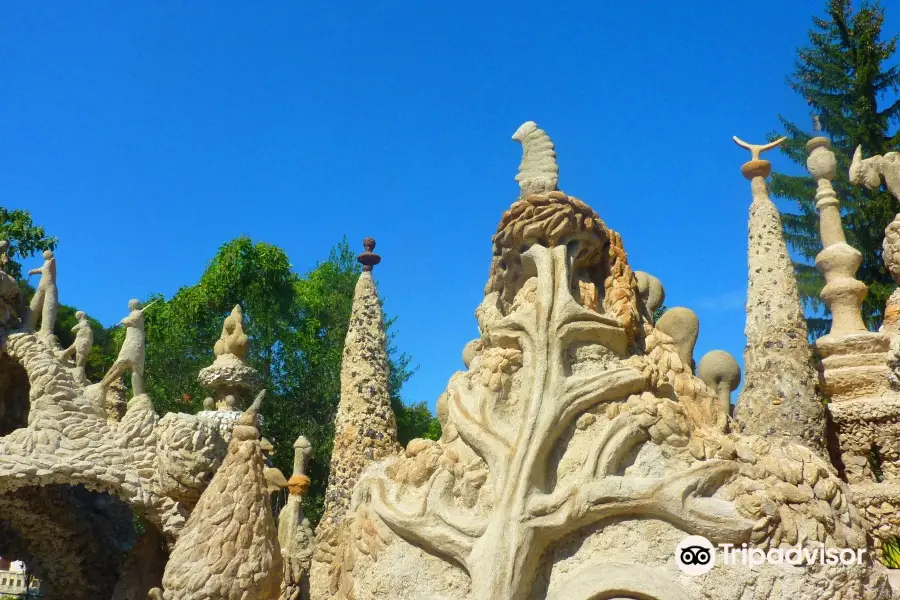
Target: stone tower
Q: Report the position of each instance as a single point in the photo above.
(779, 395)
(365, 429)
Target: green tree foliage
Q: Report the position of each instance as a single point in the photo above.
(296, 326)
(846, 76)
(25, 238)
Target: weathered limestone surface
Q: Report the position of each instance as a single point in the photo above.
(365, 430)
(229, 547)
(682, 325)
(779, 395)
(230, 377)
(721, 372)
(578, 449)
(538, 172)
(294, 532)
(651, 291)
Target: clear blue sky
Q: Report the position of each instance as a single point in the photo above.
(146, 134)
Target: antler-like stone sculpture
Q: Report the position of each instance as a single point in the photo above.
(779, 395)
(538, 172)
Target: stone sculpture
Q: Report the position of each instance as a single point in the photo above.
(294, 532)
(81, 347)
(132, 353)
(228, 549)
(779, 395)
(577, 444)
(683, 326)
(365, 429)
(45, 302)
(4, 258)
(538, 172)
(651, 291)
(230, 376)
(721, 372)
(578, 449)
(233, 339)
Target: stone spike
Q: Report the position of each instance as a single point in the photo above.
(365, 429)
(779, 397)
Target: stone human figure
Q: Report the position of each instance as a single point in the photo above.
(45, 301)
(81, 347)
(131, 355)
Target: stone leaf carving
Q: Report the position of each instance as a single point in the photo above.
(522, 507)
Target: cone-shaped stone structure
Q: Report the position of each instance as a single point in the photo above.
(365, 429)
(229, 548)
(779, 397)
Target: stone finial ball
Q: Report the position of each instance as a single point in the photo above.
(209, 404)
(719, 367)
(229, 401)
(822, 163)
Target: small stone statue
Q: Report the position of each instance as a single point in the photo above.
(538, 172)
(81, 347)
(722, 374)
(683, 326)
(233, 339)
(132, 354)
(45, 301)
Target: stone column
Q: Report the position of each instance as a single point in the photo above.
(854, 359)
(779, 396)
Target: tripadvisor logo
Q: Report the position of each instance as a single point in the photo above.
(696, 555)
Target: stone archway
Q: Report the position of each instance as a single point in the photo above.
(75, 540)
(14, 389)
(619, 581)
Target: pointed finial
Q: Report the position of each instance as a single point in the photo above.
(368, 259)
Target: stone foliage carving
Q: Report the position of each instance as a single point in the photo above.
(578, 424)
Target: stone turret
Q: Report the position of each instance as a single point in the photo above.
(365, 429)
(779, 396)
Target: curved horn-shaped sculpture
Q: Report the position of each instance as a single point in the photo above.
(538, 172)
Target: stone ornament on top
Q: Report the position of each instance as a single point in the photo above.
(230, 375)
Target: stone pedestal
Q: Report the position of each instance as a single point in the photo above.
(855, 366)
(230, 376)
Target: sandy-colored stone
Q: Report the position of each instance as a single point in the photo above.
(779, 396)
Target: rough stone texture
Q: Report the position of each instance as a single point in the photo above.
(45, 302)
(538, 172)
(56, 436)
(651, 292)
(294, 532)
(891, 257)
(779, 396)
(578, 449)
(230, 378)
(132, 353)
(229, 547)
(722, 373)
(682, 325)
(365, 430)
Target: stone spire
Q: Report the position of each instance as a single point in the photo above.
(294, 532)
(779, 395)
(228, 549)
(365, 429)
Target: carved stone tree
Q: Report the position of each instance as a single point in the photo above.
(579, 449)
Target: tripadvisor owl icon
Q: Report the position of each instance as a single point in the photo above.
(695, 555)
